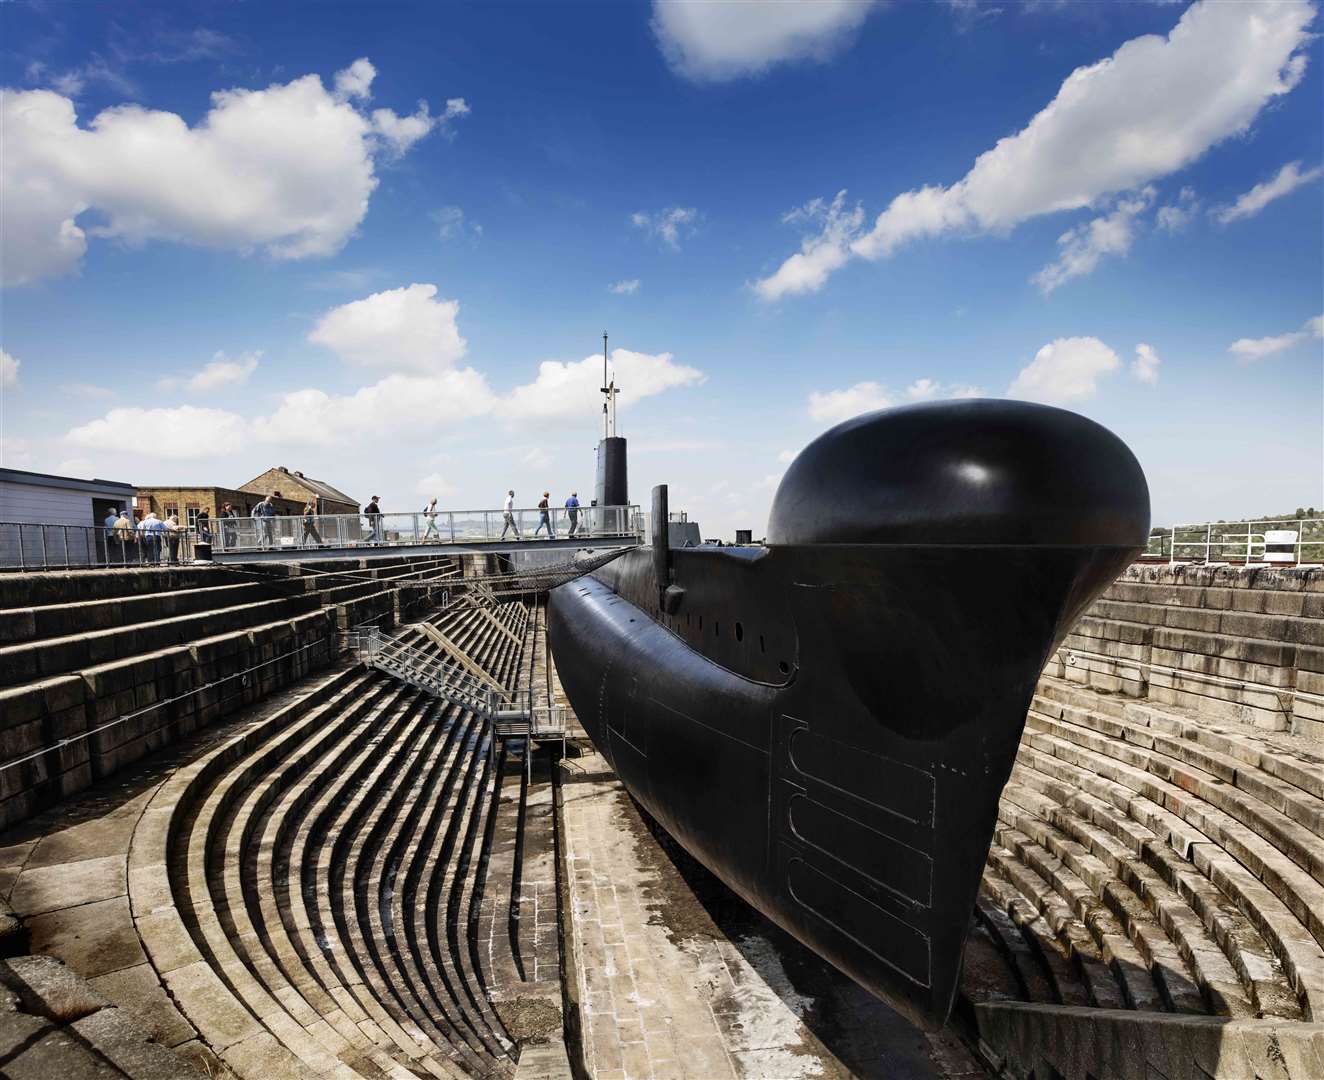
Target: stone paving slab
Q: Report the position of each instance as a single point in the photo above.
(679, 978)
(55, 1025)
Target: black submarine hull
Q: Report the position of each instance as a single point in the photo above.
(827, 723)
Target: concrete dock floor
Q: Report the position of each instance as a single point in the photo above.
(676, 976)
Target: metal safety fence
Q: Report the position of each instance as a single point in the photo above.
(26, 546)
(1281, 541)
(231, 535)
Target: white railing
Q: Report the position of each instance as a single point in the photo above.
(1280, 541)
(246, 534)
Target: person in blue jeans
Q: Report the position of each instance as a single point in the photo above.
(545, 516)
(572, 512)
(264, 512)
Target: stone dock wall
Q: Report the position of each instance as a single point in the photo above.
(1245, 646)
(99, 668)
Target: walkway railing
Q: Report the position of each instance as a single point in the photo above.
(69, 547)
(1284, 541)
(230, 535)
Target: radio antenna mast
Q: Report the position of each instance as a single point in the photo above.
(609, 391)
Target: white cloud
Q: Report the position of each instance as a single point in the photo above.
(667, 225)
(1288, 179)
(1248, 350)
(785, 457)
(14, 453)
(923, 390)
(405, 329)
(536, 458)
(1146, 364)
(565, 388)
(715, 42)
(355, 81)
(88, 390)
(451, 225)
(180, 432)
(287, 170)
(8, 369)
(221, 372)
(1064, 371)
(401, 132)
(434, 484)
(1156, 105)
(820, 253)
(970, 13)
(1174, 217)
(628, 287)
(833, 406)
(929, 389)
(1083, 246)
(399, 407)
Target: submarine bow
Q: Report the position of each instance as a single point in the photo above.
(827, 723)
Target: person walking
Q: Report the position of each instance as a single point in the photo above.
(508, 512)
(203, 524)
(572, 512)
(229, 527)
(545, 516)
(171, 531)
(263, 512)
(373, 513)
(430, 513)
(310, 524)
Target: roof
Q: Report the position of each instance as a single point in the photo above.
(324, 489)
(22, 476)
(317, 487)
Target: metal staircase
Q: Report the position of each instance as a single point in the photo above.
(512, 713)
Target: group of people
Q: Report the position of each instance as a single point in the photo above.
(151, 540)
(265, 512)
(155, 539)
(544, 516)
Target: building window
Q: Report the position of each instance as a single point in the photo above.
(193, 512)
(171, 511)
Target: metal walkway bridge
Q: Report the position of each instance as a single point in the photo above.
(334, 536)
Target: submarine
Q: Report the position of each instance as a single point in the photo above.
(827, 722)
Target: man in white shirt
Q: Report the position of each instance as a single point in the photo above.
(509, 514)
(149, 538)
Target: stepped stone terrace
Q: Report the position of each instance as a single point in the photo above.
(231, 849)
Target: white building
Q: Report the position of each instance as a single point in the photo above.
(72, 509)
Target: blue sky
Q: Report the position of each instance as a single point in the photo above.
(310, 268)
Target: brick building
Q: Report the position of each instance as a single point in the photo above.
(294, 485)
(187, 502)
